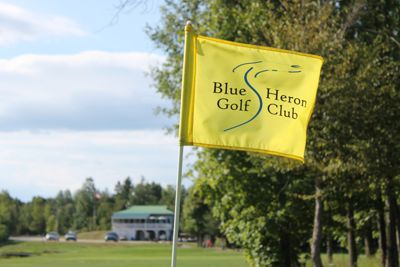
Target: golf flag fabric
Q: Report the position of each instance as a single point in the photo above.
(246, 97)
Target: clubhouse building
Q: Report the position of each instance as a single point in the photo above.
(144, 223)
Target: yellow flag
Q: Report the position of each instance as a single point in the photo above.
(246, 97)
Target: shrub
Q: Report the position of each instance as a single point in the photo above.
(4, 233)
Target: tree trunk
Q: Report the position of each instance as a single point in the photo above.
(381, 223)
(368, 240)
(329, 249)
(200, 240)
(398, 236)
(317, 230)
(351, 237)
(392, 259)
(285, 249)
(398, 227)
(367, 246)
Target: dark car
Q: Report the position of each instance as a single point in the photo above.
(70, 236)
(111, 236)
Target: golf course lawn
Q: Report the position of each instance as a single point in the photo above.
(60, 254)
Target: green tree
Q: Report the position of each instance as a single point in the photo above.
(8, 214)
(261, 207)
(4, 233)
(51, 223)
(123, 194)
(64, 211)
(358, 88)
(85, 209)
(24, 218)
(282, 26)
(197, 218)
(146, 193)
(105, 208)
(358, 132)
(168, 197)
(37, 225)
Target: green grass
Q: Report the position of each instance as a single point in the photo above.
(99, 235)
(60, 254)
(342, 260)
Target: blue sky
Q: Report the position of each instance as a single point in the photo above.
(75, 100)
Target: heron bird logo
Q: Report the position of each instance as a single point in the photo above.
(250, 68)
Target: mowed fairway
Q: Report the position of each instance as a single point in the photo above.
(60, 254)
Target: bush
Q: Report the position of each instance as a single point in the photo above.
(4, 233)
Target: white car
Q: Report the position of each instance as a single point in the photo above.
(52, 236)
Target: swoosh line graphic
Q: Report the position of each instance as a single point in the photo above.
(243, 64)
(259, 99)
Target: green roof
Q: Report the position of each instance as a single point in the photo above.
(142, 212)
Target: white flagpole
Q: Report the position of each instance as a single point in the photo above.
(177, 207)
(179, 176)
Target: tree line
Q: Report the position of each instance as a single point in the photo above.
(87, 209)
(346, 195)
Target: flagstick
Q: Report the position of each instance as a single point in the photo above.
(177, 207)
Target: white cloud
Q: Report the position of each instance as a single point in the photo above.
(18, 24)
(30, 64)
(42, 163)
(67, 117)
(85, 91)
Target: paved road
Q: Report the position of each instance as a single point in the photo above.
(93, 241)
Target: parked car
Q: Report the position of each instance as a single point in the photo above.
(111, 236)
(52, 236)
(70, 236)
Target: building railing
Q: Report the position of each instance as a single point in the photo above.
(160, 226)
